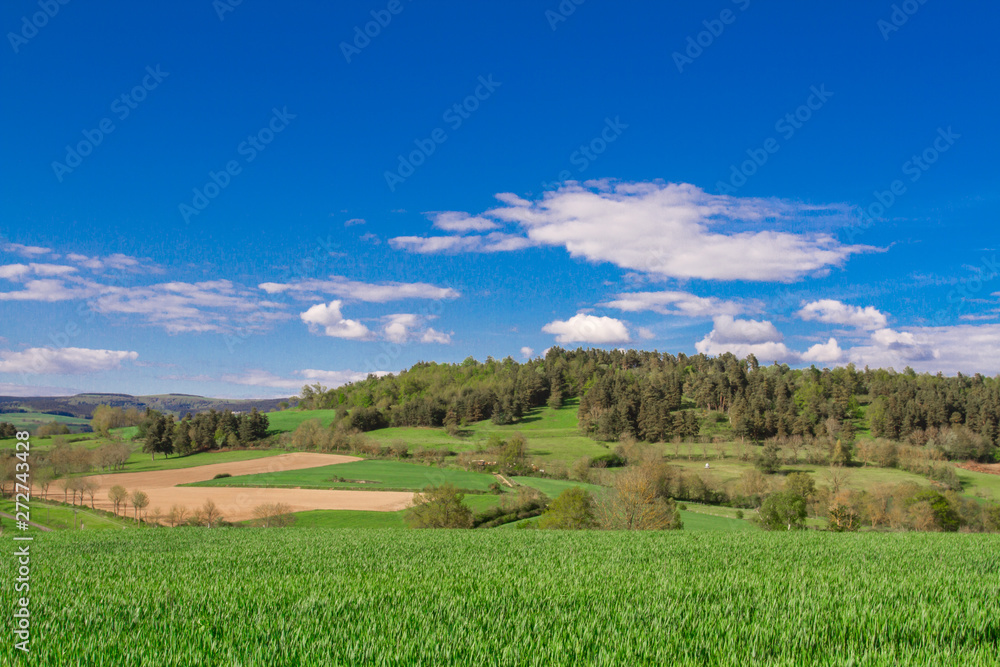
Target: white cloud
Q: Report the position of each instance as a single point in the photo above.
(730, 330)
(404, 327)
(675, 230)
(334, 324)
(526, 352)
(583, 328)
(831, 311)
(676, 303)
(646, 333)
(744, 337)
(25, 250)
(18, 272)
(965, 348)
(456, 221)
(262, 378)
(495, 242)
(210, 306)
(355, 221)
(62, 361)
(360, 291)
(828, 352)
(116, 261)
(398, 327)
(49, 289)
(22, 390)
(433, 336)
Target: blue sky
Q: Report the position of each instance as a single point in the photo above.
(236, 199)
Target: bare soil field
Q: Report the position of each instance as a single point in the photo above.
(236, 504)
(990, 468)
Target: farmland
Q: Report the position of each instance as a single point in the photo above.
(266, 597)
(371, 475)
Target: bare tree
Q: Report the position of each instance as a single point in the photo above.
(211, 513)
(117, 494)
(277, 515)
(155, 516)
(89, 487)
(635, 503)
(139, 501)
(177, 515)
(837, 477)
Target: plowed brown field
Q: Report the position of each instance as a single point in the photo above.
(236, 504)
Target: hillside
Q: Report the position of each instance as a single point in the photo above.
(18, 409)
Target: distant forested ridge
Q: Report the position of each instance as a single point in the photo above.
(649, 396)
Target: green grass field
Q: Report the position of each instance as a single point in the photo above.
(259, 597)
(288, 420)
(552, 435)
(379, 475)
(58, 517)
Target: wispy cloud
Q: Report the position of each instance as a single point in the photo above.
(354, 290)
(63, 360)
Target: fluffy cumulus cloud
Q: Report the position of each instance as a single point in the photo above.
(824, 353)
(676, 303)
(744, 337)
(62, 361)
(328, 319)
(667, 229)
(406, 327)
(830, 311)
(584, 328)
(526, 352)
(344, 288)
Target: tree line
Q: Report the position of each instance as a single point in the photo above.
(652, 396)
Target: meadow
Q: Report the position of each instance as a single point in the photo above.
(509, 597)
(374, 475)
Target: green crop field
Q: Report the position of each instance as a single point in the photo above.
(372, 475)
(32, 420)
(289, 420)
(508, 597)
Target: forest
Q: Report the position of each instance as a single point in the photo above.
(652, 397)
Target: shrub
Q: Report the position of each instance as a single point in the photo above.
(222, 475)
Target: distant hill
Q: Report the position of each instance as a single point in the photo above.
(82, 405)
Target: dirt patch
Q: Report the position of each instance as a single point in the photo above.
(989, 468)
(237, 504)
